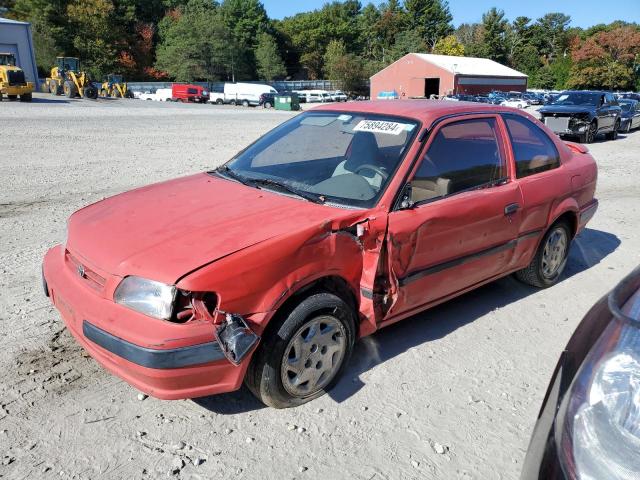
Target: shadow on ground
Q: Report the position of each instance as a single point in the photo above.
(588, 249)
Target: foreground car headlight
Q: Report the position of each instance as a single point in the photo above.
(152, 298)
(598, 424)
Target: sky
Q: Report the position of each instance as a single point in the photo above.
(584, 13)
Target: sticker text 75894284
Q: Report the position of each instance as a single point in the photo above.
(380, 126)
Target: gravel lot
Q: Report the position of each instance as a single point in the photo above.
(452, 393)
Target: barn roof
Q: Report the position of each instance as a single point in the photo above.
(467, 65)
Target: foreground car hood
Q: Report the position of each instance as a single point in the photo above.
(567, 109)
(167, 230)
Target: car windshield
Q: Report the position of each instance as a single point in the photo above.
(625, 106)
(577, 98)
(346, 158)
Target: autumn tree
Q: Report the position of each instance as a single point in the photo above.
(449, 45)
(607, 59)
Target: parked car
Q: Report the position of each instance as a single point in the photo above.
(533, 98)
(189, 93)
(267, 100)
(588, 426)
(630, 95)
(630, 115)
(340, 221)
(164, 94)
(145, 96)
(583, 114)
(515, 103)
(338, 96)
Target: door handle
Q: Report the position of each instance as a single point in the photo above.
(511, 208)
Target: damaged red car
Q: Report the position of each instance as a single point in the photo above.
(338, 222)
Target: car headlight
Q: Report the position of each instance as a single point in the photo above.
(146, 296)
(598, 425)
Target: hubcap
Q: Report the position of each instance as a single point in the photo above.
(553, 256)
(313, 356)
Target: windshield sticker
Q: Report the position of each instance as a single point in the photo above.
(378, 126)
(344, 118)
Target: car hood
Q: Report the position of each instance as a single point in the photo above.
(567, 109)
(167, 230)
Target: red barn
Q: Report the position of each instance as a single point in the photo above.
(423, 75)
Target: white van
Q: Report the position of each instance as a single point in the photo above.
(163, 95)
(315, 96)
(245, 94)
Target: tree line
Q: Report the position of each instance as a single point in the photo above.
(206, 40)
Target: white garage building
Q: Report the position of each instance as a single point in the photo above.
(15, 37)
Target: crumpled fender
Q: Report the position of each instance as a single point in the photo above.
(257, 280)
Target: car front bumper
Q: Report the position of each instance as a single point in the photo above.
(165, 360)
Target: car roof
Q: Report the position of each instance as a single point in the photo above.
(425, 111)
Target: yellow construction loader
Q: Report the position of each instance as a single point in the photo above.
(115, 87)
(67, 78)
(12, 81)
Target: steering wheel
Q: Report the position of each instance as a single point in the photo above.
(373, 168)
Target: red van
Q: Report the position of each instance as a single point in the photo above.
(189, 93)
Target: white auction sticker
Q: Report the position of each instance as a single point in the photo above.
(379, 126)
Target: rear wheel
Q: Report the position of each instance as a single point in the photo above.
(304, 355)
(26, 97)
(550, 259)
(245, 103)
(128, 94)
(267, 105)
(90, 92)
(219, 101)
(12, 97)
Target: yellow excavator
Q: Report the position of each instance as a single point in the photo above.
(67, 78)
(12, 80)
(115, 86)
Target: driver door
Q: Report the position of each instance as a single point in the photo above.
(463, 225)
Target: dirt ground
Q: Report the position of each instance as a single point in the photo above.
(452, 393)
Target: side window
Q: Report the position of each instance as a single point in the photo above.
(192, 91)
(463, 155)
(611, 100)
(533, 150)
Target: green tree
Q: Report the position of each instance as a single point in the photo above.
(195, 44)
(449, 45)
(407, 42)
(346, 69)
(551, 35)
(268, 61)
(494, 41)
(431, 19)
(545, 79)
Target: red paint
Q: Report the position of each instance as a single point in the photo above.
(188, 93)
(256, 248)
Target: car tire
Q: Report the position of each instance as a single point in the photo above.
(219, 101)
(628, 129)
(245, 103)
(12, 98)
(550, 259)
(267, 105)
(613, 134)
(590, 135)
(232, 102)
(274, 375)
(26, 97)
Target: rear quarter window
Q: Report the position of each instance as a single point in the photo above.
(533, 150)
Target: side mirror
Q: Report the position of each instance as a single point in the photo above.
(405, 202)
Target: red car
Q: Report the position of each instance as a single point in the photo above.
(189, 93)
(338, 222)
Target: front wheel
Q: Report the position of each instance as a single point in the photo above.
(613, 134)
(26, 97)
(245, 103)
(302, 358)
(550, 259)
(590, 135)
